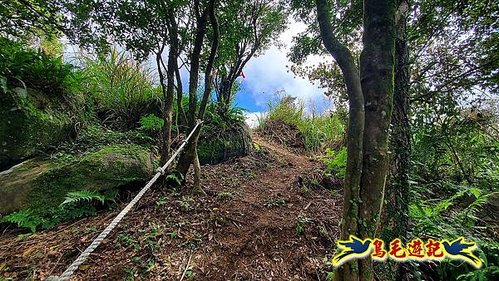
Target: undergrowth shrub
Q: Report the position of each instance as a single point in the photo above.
(445, 210)
(151, 124)
(460, 148)
(94, 136)
(454, 179)
(25, 67)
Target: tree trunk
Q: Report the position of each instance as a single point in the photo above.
(208, 74)
(370, 102)
(168, 101)
(174, 41)
(396, 205)
(351, 197)
(190, 155)
(181, 117)
(227, 82)
(197, 175)
(187, 155)
(377, 70)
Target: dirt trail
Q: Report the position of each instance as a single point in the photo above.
(257, 222)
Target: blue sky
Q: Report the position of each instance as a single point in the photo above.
(266, 75)
(269, 73)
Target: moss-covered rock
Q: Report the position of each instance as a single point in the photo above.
(42, 184)
(217, 144)
(30, 123)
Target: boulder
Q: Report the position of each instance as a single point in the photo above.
(490, 210)
(43, 183)
(219, 144)
(31, 122)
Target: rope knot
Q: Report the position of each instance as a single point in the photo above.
(161, 171)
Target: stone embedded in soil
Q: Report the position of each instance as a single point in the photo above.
(218, 144)
(43, 183)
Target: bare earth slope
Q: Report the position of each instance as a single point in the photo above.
(256, 223)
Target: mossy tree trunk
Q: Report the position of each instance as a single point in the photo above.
(370, 94)
(171, 68)
(396, 205)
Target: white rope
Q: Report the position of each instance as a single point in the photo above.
(97, 241)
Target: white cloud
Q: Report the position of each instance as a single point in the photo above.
(266, 74)
(252, 118)
(269, 72)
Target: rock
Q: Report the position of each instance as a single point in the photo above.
(219, 144)
(30, 123)
(490, 210)
(41, 183)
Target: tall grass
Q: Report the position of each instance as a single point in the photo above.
(319, 131)
(122, 89)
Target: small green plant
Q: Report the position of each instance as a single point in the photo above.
(128, 240)
(304, 188)
(151, 123)
(186, 202)
(299, 227)
(77, 204)
(151, 264)
(161, 201)
(85, 196)
(275, 202)
(189, 274)
(155, 231)
(173, 234)
(257, 147)
(225, 195)
(336, 162)
(174, 178)
(25, 219)
(130, 273)
(301, 220)
(251, 174)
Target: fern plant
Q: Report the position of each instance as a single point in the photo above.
(77, 204)
(25, 219)
(77, 197)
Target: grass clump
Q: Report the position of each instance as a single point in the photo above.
(123, 90)
(317, 132)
